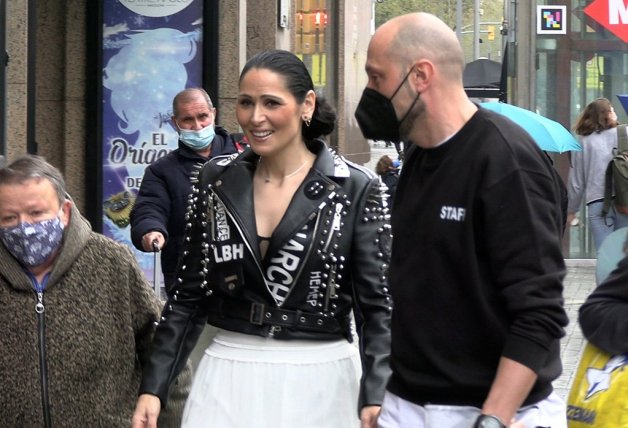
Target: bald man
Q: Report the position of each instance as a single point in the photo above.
(158, 216)
(476, 270)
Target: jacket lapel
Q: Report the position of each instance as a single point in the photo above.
(315, 190)
(235, 188)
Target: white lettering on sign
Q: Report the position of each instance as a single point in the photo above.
(617, 12)
(611, 14)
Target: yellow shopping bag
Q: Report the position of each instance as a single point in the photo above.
(599, 394)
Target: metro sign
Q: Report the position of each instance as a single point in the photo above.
(612, 14)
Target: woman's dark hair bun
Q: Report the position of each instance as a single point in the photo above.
(323, 120)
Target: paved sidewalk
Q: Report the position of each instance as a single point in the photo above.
(579, 283)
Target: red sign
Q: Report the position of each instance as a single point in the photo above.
(612, 14)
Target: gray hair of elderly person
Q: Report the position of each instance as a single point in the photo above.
(33, 167)
(189, 95)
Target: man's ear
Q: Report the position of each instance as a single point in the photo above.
(66, 212)
(173, 123)
(422, 74)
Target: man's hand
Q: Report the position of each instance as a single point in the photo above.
(368, 416)
(147, 241)
(511, 386)
(146, 411)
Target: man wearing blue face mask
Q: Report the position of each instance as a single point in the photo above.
(158, 214)
(76, 312)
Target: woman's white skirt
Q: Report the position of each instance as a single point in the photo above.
(250, 381)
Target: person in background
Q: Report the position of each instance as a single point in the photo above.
(157, 218)
(77, 314)
(603, 316)
(284, 242)
(388, 171)
(596, 126)
(476, 267)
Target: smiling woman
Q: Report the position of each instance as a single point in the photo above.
(284, 242)
(271, 117)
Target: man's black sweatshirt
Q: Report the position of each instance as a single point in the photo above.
(476, 270)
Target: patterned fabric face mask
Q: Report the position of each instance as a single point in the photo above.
(32, 243)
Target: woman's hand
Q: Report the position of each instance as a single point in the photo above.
(146, 411)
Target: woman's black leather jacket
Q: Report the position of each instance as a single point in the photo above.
(328, 255)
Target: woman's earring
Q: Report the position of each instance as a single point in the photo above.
(307, 121)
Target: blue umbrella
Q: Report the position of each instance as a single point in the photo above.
(549, 135)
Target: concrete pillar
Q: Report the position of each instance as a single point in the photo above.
(261, 26)
(60, 103)
(72, 102)
(231, 58)
(353, 39)
(17, 43)
(525, 44)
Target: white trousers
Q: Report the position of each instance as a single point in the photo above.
(399, 413)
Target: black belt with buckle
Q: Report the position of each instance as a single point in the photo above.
(261, 314)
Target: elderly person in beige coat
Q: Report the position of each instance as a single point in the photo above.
(77, 314)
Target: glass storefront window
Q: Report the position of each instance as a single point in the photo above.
(571, 71)
(315, 41)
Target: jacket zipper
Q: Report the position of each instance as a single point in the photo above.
(330, 293)
(43, 369)
(335, 225)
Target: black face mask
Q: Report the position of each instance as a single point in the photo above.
(376, 115)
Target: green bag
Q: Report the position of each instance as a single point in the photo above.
(616, 184)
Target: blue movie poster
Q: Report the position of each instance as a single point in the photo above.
(152, 49)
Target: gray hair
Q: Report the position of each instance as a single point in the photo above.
(189, 95)
(33, 167)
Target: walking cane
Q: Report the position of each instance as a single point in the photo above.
(156, 270)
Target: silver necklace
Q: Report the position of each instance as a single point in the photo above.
(292, 174)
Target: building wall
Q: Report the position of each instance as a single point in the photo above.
(17, 39)
(258, 22)
(59, 76)
(60, 70)
(231, 56)
(354, 37)
(60, 88)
